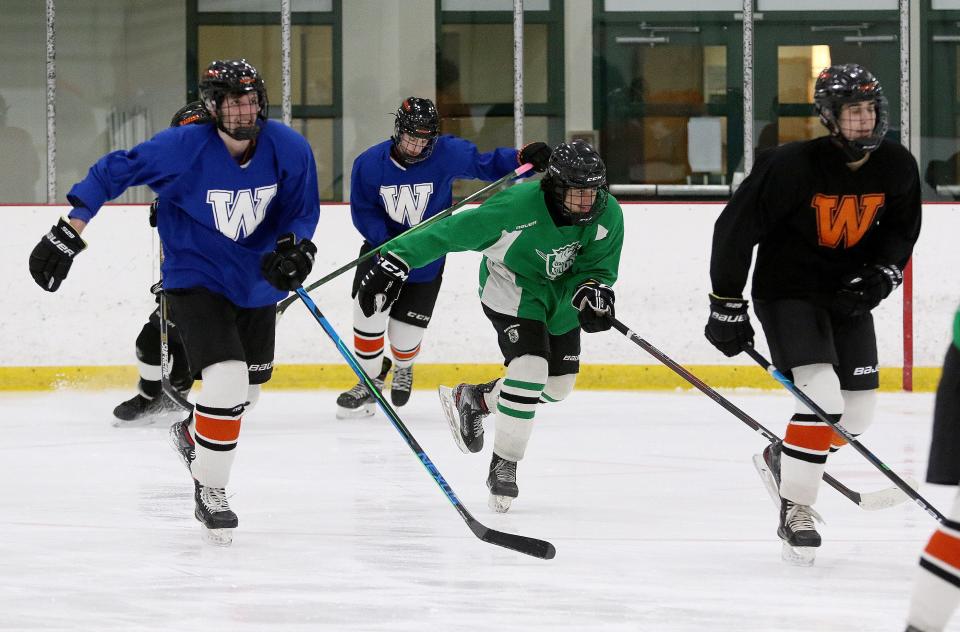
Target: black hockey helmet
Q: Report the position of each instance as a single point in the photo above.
(419, 118)
(233, 76)
(850, 83)
(193, 112)
(575, 165)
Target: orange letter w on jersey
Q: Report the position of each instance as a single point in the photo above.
(847, 221)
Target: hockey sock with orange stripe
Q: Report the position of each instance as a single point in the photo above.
(807, 440)
(368, 339)
(936, 590)
(405, 342)
(858, 412)
(216, 425)
(216, 431)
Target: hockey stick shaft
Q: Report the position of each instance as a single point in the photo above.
(522, 544)
(840, 430)
(165, 366)
(522, 169)
(723, 401)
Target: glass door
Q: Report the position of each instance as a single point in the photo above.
(792, 48)
(664, 83)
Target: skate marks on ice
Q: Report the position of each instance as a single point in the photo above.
(652, 500)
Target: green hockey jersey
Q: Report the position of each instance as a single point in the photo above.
(531, 266)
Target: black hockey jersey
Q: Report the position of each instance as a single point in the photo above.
(815, 220)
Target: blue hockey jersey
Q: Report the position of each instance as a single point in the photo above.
(387, 198)
(216, 218)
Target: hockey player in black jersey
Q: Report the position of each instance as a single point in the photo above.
(834, 220)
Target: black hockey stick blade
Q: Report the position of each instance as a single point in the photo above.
(519, 543)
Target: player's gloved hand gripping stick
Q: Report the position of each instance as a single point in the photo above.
(522, 169)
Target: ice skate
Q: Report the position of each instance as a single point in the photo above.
(213, 512)
(143, 410)
(799, 533)
(182, 441)
(401, 385)
(797, 528)
(358, 402)
(502, 483)
(465, 409)
(768, 466)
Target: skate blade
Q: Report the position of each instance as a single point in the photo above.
(174, 442)
(142, 422)
(217, 537)
(453, 419)
(798, 555)
(499, 504)
(767, 477)
(145, 420)
(367, 410)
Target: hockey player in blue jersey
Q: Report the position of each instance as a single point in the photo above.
(240, 205)
(396, 184)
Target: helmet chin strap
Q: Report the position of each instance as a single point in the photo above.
(851, 152)
(241, 133)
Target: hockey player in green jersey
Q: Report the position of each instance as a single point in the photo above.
(551, 252)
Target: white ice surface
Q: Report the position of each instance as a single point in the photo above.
(659, 520)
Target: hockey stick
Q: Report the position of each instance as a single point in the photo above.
(165, 368)
(859, 447)
(871, 501)
(522, 544)
(522, 169)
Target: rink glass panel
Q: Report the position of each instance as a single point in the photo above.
(315, 75)
(791, 48)
(653, 74)
(940, 104)
(475, 75)
(23, 123)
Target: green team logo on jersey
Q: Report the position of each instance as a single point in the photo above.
(560, 260)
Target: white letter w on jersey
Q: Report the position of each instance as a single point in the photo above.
(241, 211)
(406, 205)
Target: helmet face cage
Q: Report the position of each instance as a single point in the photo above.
(576, 165)
(418, 118)
(233, 76)
(193, 112)
(851, 83)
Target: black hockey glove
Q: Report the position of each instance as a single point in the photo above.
(51, 259)
(289, 264)
(728, 328)
(537, 154)
(594, 302)
(865, 289)
(381, 285)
